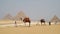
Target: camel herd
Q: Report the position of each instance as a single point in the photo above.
(27, 20)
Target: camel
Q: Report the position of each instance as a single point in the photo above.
(26, 20)
(42, 21)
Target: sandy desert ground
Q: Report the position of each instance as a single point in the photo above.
(34, 29)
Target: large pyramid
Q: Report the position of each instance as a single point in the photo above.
(7, 17)
(55, 19)
(20, 15)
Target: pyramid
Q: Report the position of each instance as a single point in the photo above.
(7, 17)
(55, 19)
(20, 15)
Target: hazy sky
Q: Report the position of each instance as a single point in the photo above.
(35, 9)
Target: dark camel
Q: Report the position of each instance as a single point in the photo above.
(42, 21)
(26, 20)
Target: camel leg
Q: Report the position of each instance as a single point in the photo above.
(41, 23)
(44, 22)
(25, 24)
(29, 24)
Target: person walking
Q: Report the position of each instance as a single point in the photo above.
(49, 23)
(15, 24)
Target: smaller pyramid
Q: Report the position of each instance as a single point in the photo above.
(7, 17)
(55, 19)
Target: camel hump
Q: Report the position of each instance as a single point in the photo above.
(42, 20)
(26, 19)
